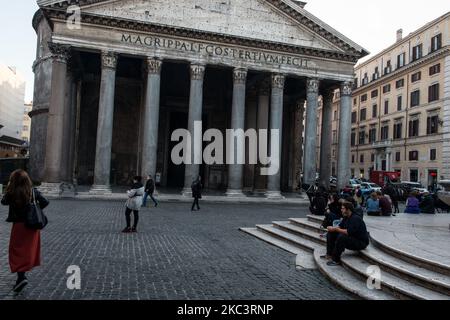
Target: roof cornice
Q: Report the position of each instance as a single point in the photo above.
(288, 7)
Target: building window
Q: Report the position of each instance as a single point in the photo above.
(353, 138)
(432, 124)
(374, 111)
(433, 154)
(414, 128)
(385, 132)
(374, 94)
(398, 130)
(415, 98)
(436, 42)
(353, 158)
(335, 115)
(386, 107)
(388, 68)
(361, 158)
(416, 77)
(401, 60)
(414, 175)
(387, 88)
(414, 156)
(399, 103)
(398, 157)
(417, 52)
(400, 83)
(364, 98)
(363, 115)
(362, 137)
(372, 135)
(354, 116)
(334, 136)
(372, 157)
(355, 101)
(365, 80)
(433, 92)
(376, 74)
(435, 69)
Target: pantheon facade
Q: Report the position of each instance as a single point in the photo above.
(114, 79)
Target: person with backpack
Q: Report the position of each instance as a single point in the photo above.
(149, 192)
(196, 188)
(25, 243)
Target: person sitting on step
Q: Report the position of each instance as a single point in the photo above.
(351, 234)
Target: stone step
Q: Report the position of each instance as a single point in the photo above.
(316, 219)
(305, 223)
(403, 269)
(301, 232)
(414, 259)
(390, 284)
(348, 280)
(289, 237)
(304, 259)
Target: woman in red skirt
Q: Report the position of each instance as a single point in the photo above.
(25, 244)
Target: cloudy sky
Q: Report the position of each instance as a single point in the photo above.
(371, 24)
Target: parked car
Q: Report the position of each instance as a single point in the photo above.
(354, 183)
(369, 187)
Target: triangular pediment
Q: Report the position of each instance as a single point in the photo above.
(265, 20)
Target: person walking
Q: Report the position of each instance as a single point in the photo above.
(149, 191)
(133, 204)
(196, 192)
(25, 243)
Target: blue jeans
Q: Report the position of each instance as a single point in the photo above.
(146, 195)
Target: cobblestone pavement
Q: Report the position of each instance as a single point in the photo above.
(176, 255)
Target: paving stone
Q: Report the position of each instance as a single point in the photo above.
(177, 254)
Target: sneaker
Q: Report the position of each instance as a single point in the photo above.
(20, 285)
(126, 230)
(133, 230)
(333, 264)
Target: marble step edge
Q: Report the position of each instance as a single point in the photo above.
(347, 280)
(306, 263)
(401, 268)
(300, 231)
(410, 258)
(315, 219)
(390, 283)
(289, 237)
(305, 223)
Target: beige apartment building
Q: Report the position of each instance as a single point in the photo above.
(401, 108)
(26, 128)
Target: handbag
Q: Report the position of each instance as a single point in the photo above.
(36, 219)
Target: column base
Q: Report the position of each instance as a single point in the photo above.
(100, 190)
(274, 195)
(51, 189)
(231, 193)
(187, 192)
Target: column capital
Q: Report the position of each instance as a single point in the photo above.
(60, 53)
(109, 59)
(278, 80)
(197, 72)
(312, 85)
(153, 65)
(346, 88)
(240, 76)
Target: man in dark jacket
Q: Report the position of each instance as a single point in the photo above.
(385, 205)
(196, 192)
(149, 191)
(350, 234)
(427, 204)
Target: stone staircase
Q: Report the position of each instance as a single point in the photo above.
(404, 275)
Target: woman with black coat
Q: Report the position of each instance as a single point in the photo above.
(25, 243)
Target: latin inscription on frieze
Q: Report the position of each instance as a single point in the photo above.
(215, 50)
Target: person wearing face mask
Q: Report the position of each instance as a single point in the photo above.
(351, 234)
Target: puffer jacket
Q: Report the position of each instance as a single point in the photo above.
(135, 197)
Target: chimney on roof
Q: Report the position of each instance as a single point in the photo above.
(399, 35)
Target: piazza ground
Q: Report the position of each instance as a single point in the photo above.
(177, 254)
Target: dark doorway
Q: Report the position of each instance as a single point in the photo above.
(175, 173)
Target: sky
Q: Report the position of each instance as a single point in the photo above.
(371, 24)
